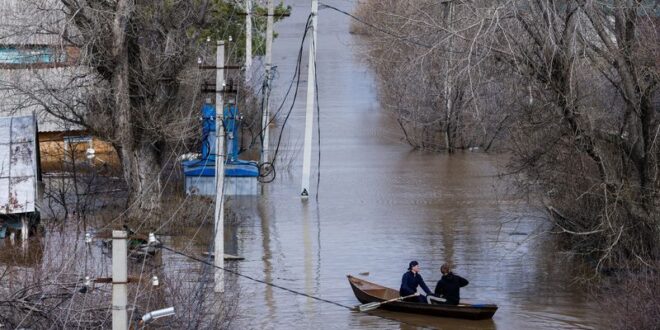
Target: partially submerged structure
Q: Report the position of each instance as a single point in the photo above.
(240, 175)
(20, 175)
(40, 74)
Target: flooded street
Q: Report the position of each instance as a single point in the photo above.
(381, 205)
(114, 156)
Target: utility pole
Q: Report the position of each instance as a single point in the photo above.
(219, 242)
(448, 79)
(309, 116)
(269, 62)
(119, 280)
(248, 39)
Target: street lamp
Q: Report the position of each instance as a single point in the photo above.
(146, 318)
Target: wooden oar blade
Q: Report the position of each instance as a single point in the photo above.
(376, 304)
(369, 306)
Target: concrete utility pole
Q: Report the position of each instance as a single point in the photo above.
(268, 65)
(309, 116)
(119, 280)
(448, 78)
(248, 39)
(219, 242)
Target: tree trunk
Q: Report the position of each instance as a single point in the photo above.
(140, 161)
(142, 167)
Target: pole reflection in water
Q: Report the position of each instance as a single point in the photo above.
(264, 213)
(26, 253)
(308, 253)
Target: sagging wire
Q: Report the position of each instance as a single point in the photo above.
(254, 279)
(125, 211)
(267, 171)
(327, 301)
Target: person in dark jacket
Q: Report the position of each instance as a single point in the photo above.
(449, 286)
(411, 280)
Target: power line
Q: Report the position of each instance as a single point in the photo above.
(255, 279)
(327, 301)
(296, 74)
(390, 33)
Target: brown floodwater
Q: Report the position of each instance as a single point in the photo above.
(381, 205)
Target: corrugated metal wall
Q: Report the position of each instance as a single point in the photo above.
(18, 165)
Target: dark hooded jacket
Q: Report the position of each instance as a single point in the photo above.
(449, 287)
(409, 284)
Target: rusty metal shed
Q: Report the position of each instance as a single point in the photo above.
(19, 171)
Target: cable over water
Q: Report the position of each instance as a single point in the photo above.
(256, 279)
(274, 285)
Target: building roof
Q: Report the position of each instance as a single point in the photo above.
(18, 165)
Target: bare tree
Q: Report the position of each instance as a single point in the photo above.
(141, 52)
(53, 284)
(593, 128)
(573, 83)
(132, 80)
(433, 78)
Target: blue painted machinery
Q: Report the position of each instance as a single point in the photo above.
(240, 175)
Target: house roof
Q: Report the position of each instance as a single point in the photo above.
(18, 165)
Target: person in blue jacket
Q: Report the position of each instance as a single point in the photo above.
(411, 280)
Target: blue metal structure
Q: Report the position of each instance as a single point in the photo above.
(240, 175)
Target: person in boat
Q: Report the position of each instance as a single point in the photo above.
(449, 286)
(411, 280)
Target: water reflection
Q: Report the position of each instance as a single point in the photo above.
(21, 253)
(264, 213)
(308, 255)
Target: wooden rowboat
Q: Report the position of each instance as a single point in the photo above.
(367, 292)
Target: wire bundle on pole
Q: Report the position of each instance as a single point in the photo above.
(266, 169)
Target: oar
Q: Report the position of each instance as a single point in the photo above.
(376, 304)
